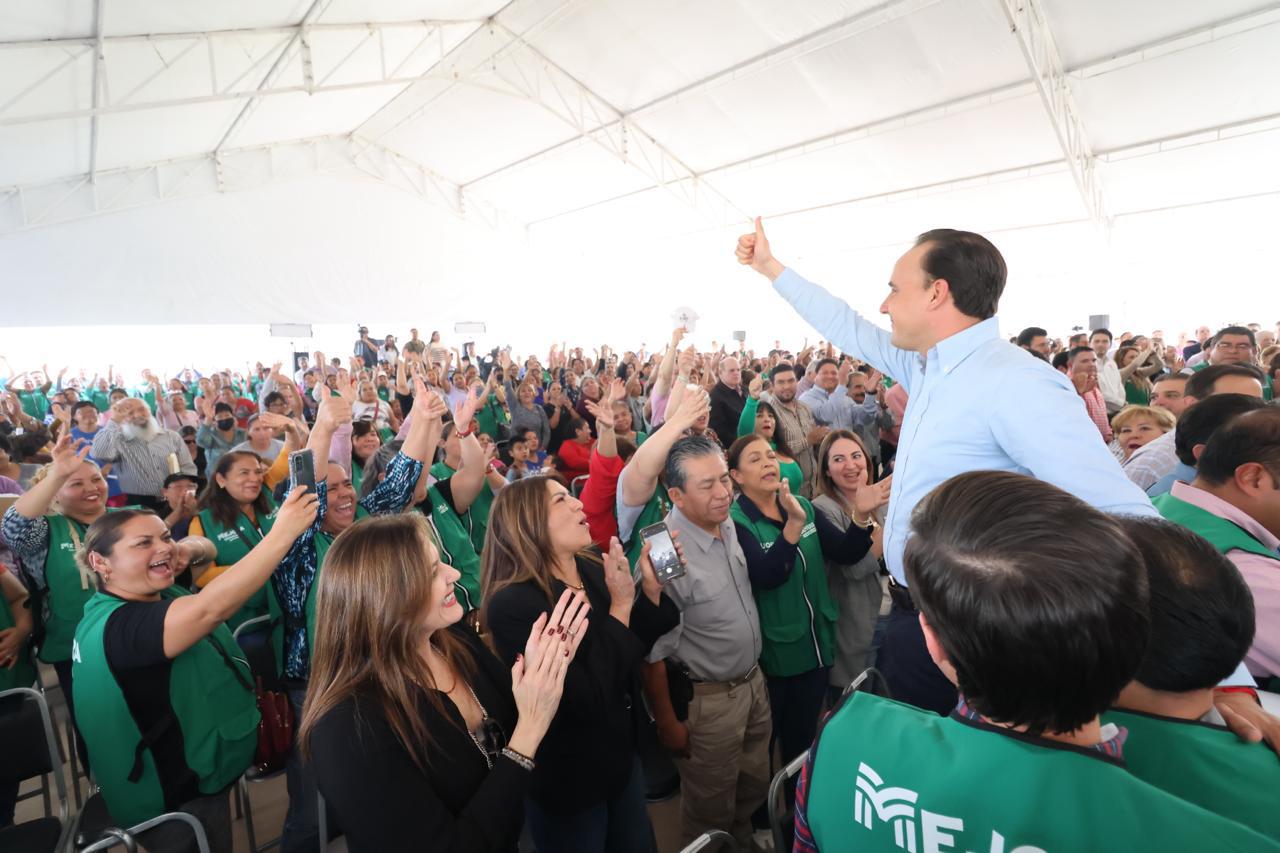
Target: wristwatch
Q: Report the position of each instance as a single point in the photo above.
(870, 526)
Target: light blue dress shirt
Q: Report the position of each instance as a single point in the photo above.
(976, 402)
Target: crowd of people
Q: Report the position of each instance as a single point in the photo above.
(1060, 555)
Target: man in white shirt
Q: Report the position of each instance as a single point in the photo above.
(1109, 381)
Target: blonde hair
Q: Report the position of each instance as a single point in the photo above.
(373, 593)
(1160, 417)
(47, 469)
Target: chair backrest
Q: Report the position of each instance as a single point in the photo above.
(716, 839)
(779, 812)
(578, 484)
(30, 747)
(258, 650)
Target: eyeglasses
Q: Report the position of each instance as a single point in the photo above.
(1244, 347)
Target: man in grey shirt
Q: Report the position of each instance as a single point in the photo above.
(722, 746)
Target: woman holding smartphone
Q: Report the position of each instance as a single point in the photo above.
(587, 793)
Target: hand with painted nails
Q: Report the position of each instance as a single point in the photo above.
(537, 679)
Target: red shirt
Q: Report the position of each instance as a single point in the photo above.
(575, 459)
(599, 495)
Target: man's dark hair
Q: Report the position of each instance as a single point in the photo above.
(1170, 377)
(1201, 383)
(1061, 360)
(1029, 334)
(972, 267)
(1201, 420)
(273, 397)
(1251, 437)
(1038, 599)
(220, 408)
(1201, 610)
(1102, 331)
(782, 367)
(1233, 330)
(83, 404)
(1075, 351)
(825, 361)
(180, 477)
(683, 450)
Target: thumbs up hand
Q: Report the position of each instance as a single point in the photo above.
(753, 250)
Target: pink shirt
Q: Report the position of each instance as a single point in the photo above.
(896, 400)
(1260, 573)
(1096, 405)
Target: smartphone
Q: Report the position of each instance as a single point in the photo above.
(667, 564)
(302, 470)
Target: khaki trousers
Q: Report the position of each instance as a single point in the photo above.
(726, 776)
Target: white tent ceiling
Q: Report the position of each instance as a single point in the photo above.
(440, 150)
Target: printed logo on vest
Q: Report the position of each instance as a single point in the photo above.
(75, 652)
(897, 807)
(227, 536)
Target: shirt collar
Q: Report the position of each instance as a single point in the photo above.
(956, 348)
(1212, 503)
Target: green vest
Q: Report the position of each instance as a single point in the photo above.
(234, 544)
(476, 518)
(357, 475)
(211, 700)
(1222, 534)
(890, 777)
(323, 540)
(101, 399)
(797, 619)
(456, 549)
(68, 589)
(654, 511)
(490, 416)
(34, 403)
(23, 673)
(1206, 765)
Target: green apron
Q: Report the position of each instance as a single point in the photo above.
(457, 550)
(1206, 765)
(23, 673)
(797, 619)
(476, 518)
(211, 700)
(323, 540)
(1221, 534)
(68, 588)
(233, 545)
(890, 777)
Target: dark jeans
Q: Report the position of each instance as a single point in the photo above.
(618, 825)
(302, 820)
(795, 702)
(904, 662)
(63, 670)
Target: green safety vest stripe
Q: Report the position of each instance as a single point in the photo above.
(233, 545)
(459, 552)
(476, 518)
(797, 619)
(323, 541)
(654, 511)
(1220, 533)
(1206, 765)
(886, 776)
(68, 590)
(212, 702)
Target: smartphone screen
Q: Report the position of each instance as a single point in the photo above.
(302, 470)
(667, 564)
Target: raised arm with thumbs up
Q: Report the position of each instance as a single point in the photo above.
(753, 250)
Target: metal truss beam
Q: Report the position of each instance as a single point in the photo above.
(99, 83)
(1035, 39)
(26, 207)
(214, 88)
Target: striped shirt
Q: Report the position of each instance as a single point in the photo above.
(1096, 405)
(141, 464)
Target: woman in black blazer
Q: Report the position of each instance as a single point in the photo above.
(418, 736)
(587, 794)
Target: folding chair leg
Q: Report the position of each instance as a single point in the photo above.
(73, 758)
(243, 787)
(235, 798)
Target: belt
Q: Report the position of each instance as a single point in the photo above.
(900, 595)
(700, 686)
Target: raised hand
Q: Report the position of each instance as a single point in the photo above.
(753, 251)
(68, 454)
(755, 386)
(617, 391)
(694, 405)
(790, 503)
(296, 514)
(467, 409)
(603, 413)
(335, 410)
(618, 578)
(870, 498)
(275, 421)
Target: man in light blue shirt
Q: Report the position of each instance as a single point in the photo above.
(945, 344)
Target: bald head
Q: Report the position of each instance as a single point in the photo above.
(731, 372)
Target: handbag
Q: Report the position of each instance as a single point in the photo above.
(275, 729)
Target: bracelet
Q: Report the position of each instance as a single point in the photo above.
(462, 434)
(523, 760)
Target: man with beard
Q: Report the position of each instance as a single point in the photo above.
(139, 449)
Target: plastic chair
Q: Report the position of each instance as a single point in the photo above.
(107, 837)
(31, 750)
(718, 837)
(779, 812)
(578, 484)
(244, 807)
